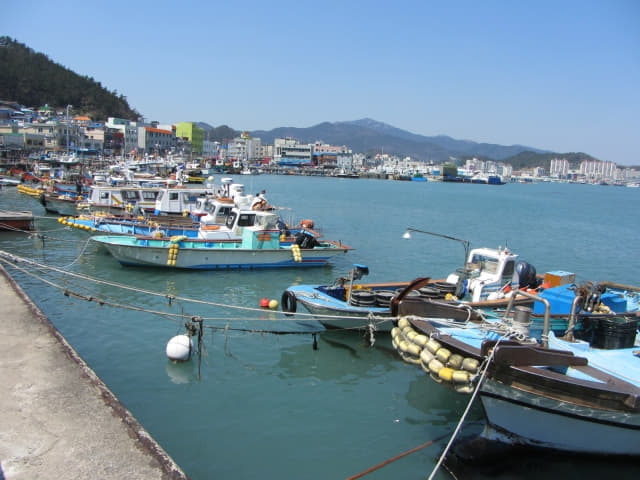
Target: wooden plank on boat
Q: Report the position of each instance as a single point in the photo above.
(519, 355)
(607, 391)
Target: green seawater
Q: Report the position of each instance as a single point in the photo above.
(264, 405)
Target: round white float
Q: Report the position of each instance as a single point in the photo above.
(179, 348)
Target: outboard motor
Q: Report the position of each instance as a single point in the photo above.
(306, 240)
(526, 273)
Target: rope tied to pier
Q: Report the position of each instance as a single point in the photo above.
(397, 457)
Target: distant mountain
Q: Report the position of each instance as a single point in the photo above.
(371, 137)
(220, 134)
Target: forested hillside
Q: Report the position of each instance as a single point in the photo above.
(32, 79)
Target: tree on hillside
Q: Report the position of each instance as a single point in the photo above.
(32, 79)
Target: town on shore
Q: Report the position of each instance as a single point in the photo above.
(48, 142)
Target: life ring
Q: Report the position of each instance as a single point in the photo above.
(288, 302)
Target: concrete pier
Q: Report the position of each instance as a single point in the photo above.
(57, 418)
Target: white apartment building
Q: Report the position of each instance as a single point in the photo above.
(597, 169)
(559, 167)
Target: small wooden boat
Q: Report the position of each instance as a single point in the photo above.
(484, 282)
(16, 221)
(60, 203)
(560, 393)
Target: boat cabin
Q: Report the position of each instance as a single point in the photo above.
(489, 273)
(236, 221)
(175, 201)
(109, 198)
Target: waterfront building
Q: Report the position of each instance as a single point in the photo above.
(244, 149)
(155, 140)
(291, 153)
(559, 168)
(129, 132)
(597, 170)
(190, 131)
(210, 149)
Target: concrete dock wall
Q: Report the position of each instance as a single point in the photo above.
(57, 418)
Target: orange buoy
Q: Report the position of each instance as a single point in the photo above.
(307, 223)
(264, 303)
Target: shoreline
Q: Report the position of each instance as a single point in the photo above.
(60, 419)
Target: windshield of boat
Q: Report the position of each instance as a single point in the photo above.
(484, 263)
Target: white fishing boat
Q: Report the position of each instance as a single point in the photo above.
(161, 200)
(9, 182)
(485, 281)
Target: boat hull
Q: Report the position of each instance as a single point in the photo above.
(516, 416)
(335, 312)
(353, 318)
(132, 251)
(60, 206)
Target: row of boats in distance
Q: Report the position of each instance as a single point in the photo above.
(555, 364)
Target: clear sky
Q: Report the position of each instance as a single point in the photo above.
(557, 75)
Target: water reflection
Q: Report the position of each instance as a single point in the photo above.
(343, 356)
(182, 372)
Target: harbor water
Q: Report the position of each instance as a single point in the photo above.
(258, 404)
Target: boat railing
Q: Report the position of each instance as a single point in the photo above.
(572, 318)
(547, 312)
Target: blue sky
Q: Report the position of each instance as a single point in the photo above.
(557, 75)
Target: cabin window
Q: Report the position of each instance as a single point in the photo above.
(173, 196)
(230, 219)
(484, 263)
(149, 195)
(130, 195)
(508, 269)
(104, 195)
(246, 219)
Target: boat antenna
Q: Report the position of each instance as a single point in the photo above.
(465, 243)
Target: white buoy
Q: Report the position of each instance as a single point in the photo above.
(179, 348)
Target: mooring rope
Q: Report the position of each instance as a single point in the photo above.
(397, 457)
(14, 261)
(484, 369)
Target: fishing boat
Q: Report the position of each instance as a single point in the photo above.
(159, 199)
(260, 246)
(577, 393)
(61, 203)
(213, 218)
(16, 221)
(8, 182)
(486, 280)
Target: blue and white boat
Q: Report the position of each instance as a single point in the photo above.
(562, 393)
(485, 281)
(259, 246)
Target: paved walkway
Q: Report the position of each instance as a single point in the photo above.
(57, 418)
